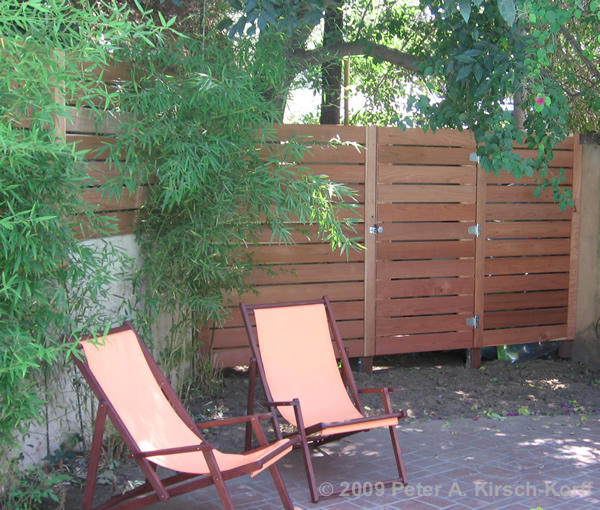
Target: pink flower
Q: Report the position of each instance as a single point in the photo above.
(540, 100)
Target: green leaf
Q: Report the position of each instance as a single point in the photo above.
(507, 10)
(464, 72)
(250, 6)
(465, 9)
(224, 23)
(478, 72)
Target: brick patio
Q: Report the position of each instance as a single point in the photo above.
(520, 463)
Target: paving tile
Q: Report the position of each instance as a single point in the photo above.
(515, 464)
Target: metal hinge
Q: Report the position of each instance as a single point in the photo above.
(376, 230)
(474, 157)
(473, 321)
(475, 230)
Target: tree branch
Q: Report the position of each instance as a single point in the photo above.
(579, 50)
(345, 49)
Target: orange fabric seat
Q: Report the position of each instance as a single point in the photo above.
(157, 429)
(295, 349)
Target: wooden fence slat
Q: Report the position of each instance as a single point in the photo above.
(426, 212)
(522, 318)
(122, 222)
(527, 229)
(416, 136)
(116, 72)
(506, 178)
(232, 357)
(326, 154)
(345, 174)
(518, 194)
(321, 133)
(525, 335)
(124, 202)
(395, 174)
(425, 342)
(425, 250)
(525, 247)
(406, 155)
(517, 265)
(301, 292)
(416, 325)
(521, 300)
(425, 287)
(561, 158)
(295, 253)
(85, 121)
(526, 282)
(425, 231)
(527, 212)
(424, 306)
(427, 193)
(303, 273)
(424, 268)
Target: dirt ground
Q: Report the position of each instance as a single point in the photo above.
(431, 386)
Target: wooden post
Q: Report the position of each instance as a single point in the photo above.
(371, 247)
(474, 359)
(587, 334)
(565, 349)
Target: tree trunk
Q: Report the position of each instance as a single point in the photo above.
(331, 77)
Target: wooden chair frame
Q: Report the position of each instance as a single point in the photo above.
(156, 489)
(315, 434)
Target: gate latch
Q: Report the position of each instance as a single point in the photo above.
(376, 229)
(473, 321)
(475, 230)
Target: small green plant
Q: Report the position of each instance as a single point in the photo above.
(30, 488)
(65, 452)
(491, 415)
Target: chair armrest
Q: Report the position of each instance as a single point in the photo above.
(282, 403)
(172, 451)
(233, 421)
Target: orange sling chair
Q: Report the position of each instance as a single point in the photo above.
(298, 368)
(143, 407)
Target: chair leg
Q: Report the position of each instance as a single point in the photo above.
(398, 455)
(310, 473)
(218, 481)
(250, 405)
(280, 486)
(95, 452)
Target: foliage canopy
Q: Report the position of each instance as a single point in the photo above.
(514, 71)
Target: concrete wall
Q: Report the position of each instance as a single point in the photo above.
(66, 409)
(586, 347)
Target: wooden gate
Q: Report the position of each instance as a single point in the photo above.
(455, 258)
(422, 242)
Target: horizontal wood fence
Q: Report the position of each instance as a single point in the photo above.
(455, 258)
(427, 277)
(95, 135)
